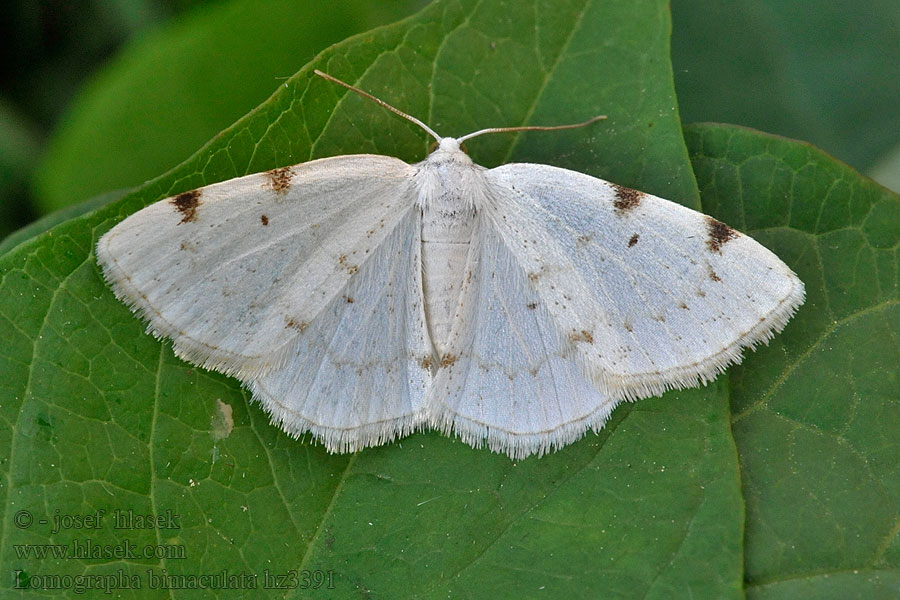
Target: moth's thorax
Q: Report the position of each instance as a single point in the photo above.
(450, 188)
(448, 180)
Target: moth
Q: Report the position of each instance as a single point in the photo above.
(360, 298)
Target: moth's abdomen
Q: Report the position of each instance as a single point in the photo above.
(445, 250)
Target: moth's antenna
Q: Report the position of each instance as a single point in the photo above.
(382, 103)
(529, 128)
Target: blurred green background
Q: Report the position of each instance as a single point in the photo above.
(101, 95)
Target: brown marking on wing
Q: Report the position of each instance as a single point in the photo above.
(279, 180)
(264, 219)
(582, 336)
(298, 325)
(343, 261)
(534, 276)
(187, 204)
(448, 360)
(349, 299)
(427, 363)
(626, 198)
(531, 305)
(713, 275)
(633, 240)
(718, 234)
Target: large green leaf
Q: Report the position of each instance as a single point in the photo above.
(816, 415)
(98, 415)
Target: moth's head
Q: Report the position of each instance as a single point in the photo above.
(448, 150)
(448, 144)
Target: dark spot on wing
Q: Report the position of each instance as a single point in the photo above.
(626, 198)
(448, 360)
(264, 219)
(345, 264)
(534, 276)
(582, 336)
(633, 240)
(280, 179)
(349, 299)
(187, 204)
(718, 234)
(531, 305)
(298, 325)
(427, 363)
(713, 275)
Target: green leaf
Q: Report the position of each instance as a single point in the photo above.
(47, 222)
(825, 72)
(98, 415)
(816, 414)
(173, 90)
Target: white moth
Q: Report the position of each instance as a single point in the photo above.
(361, 298)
